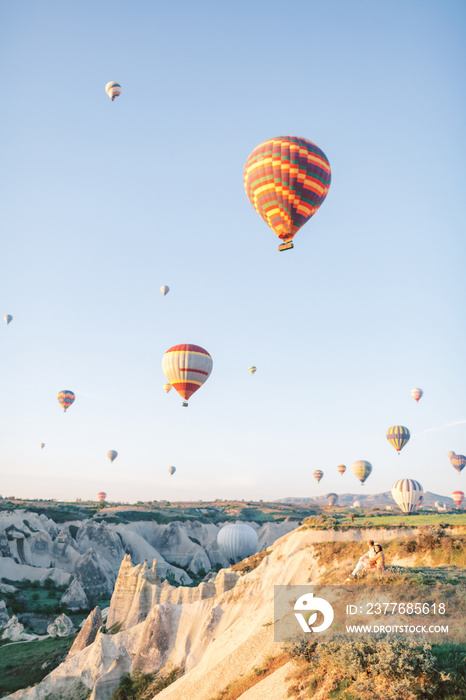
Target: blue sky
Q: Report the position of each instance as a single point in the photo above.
(102, 203)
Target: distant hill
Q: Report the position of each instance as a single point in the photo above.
(374, 500)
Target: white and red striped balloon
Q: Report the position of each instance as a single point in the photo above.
(187, 367)
(416, 394)
(458, 497)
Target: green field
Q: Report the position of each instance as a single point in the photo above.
(408, 520)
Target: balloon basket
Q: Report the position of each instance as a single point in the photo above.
(185, 404)
(286, 246)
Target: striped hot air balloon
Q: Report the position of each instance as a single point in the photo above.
(8, 318)
(171, 470)
(187, 367)
(332, 499)
(113, 90)
(168, 387)
(341, 469)
(112, 455)
(459, 462)
(416, 394)
(458, 497)
(407, 494)
(237, 541)
(286, 180)
(398, 436)
(450, 454)
(164, 289)
(66, 398)
(252, 369)
(362, 469)
(101, 496)
(318, 474)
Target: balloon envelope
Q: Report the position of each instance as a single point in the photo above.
(112, 454)
(318, 474)
(167, 387)
(407, 494)
(416, 394)
(252, 369)
(341, 469)
(101, 496)
(113, 90)
(458, 497)
(286, 180)
(332, 499)
(172, 470)
(237, 542)
(8, 318)
(66, 398)
(164, 289)
(362, 469)
(42, 445)
(187, 367)
(398, 436)
(459, 462)
(450, 454)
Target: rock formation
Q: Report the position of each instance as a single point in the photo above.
(14, 631)
(75, 597)
(61, 627)
(88, 632)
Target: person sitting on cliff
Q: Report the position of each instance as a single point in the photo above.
(378, 562)
(363, 562)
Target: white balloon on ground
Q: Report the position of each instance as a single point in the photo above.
(407, 494)
(237, 541)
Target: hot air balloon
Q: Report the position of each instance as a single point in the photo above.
(332, 499)
(341, 469)
(459, 462)
(167, 387)
(252, 369)
(407, 494)
(42, 445)
(416, 394)
(101, 496)
(362, 469)
(164, 289)
(112, 454)
(318, 474)
(286, 180)
(398, 436)
(357, 504)
(172, 470)
(8, 318)
(458, 497)
(450, 454)
(236, 542)
(66, 398)
(113, 90)
(187, 367)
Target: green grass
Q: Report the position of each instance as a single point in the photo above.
(25, 664)
(406, 520)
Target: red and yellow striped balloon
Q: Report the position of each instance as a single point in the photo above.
(341, 469)
(318, 474)
(187, 367)
(286, 180)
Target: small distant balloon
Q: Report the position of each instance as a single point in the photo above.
(113, 90)
(416, 394)
(167, 386)
(42, 445)
(8, 318)
(362, 469)
(341, 469)
(459, 462)
(450, 454)
(171, 470)
(318, 474)
(458, 497)
(252, 369)
(398, 436)
(101, 496)
(332, 499)
(66, 398)
(407, 494)
(164, 289)
(112, 455)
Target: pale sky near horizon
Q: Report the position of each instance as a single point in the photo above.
(102, 203)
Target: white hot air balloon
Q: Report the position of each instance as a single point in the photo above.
(416, 394)
(164, 289)
(8, 318)
(407, 494)
(237, 542)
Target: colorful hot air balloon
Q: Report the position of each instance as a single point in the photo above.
(252, 369)
(450, 454)
(286, 180)
(236, 542)
(362, 469)
(398, 436)
(112, 455)
(341, 469)
(172, 470)
(458, 497)
(113, 90)
(66, 398)
(167, 386)
(187, 367)
(407, 494)
(459, 462)
(101, 496)
(8, 318)
(416, 394)
(164, 289)
(318, 474)
(332, 499)
(42, 445)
